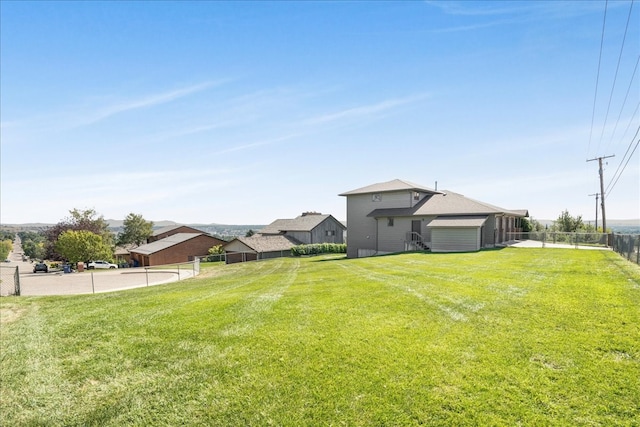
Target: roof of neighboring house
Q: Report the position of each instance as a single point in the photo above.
(301, 223)
(394, 185)
(170, 228)
(448, 203)
(458, 221)
(262, 244)
(165, 243)
(124, 250)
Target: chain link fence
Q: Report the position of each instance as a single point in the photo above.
(562, 238)
(627, 245)
(66, 282)
(9, 281)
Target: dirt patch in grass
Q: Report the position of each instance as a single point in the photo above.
(10, 313)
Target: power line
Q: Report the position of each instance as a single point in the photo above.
(626, 96)
(625, 165)
(595, 96)
(616, 175)
(615, 77)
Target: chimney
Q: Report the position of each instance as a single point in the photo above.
(310, 213)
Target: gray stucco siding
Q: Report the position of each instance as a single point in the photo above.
(361, 230)
(392, 239)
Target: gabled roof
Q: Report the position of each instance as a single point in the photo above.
(301, 223)
(262, 244)
(170, 228)
(448, 203)
(165, 243)
(394, 185)
(125, 249)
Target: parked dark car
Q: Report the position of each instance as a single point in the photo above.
(40, 266)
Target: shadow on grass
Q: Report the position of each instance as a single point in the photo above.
(436, 253)
(338, 257)
(343, 257)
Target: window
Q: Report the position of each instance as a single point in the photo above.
(416, 195)
(376, 197)
(330, 233)
(389, 222)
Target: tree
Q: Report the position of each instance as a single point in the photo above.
(567, 223)
(249, 233)
(82, 245)
(526, 225)
(87, 220)
(5, 248)
(136, 230)
(215, 250)
(33, 244)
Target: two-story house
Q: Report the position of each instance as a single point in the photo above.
(398, 216)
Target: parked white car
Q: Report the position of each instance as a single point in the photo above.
(100, 264)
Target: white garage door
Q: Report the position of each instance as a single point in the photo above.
(455, 239)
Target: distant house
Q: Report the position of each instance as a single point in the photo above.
(123, 253)
(398, 215)
(277, 239)
(257, 247)
(180, 247)
(308, 228)
(170, 230)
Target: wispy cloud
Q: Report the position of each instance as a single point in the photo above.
(364, 111)
(149, 101)
(259, 143)
(509, 13)
(72, 117)
(480, 8)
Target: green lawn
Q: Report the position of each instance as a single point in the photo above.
(503, 337)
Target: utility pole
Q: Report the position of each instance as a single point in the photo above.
(604, 216)
(597, 195)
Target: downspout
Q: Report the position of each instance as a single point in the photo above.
(377, 232)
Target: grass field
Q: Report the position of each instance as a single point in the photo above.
(503, 337)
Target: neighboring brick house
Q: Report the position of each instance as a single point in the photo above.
(180, 247)
(170, 230)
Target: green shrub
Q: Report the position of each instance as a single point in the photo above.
(319, 248)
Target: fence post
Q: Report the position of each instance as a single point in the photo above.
(146, 272)
(16, 281)
(638, 251)
(93, 288)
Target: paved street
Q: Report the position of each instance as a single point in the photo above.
(88, 281)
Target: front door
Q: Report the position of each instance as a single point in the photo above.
(416, 229)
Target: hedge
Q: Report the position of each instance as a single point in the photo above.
(319, 248)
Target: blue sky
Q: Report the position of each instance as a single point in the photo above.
(245, 112)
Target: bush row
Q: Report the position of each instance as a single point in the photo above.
(319, 248)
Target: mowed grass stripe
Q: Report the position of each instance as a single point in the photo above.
(533, 337)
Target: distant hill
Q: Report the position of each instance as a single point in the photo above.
(610, 222)
(225, 231)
